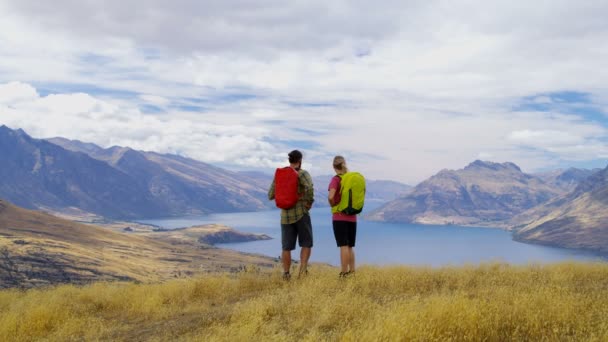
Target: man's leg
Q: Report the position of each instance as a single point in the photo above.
(304, 256)
(305, 238)
(286, 258)
(288, 237)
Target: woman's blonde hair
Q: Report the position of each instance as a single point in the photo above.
(339, 163)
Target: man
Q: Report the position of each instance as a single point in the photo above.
(295, 221)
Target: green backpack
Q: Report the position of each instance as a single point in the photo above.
(352, 190)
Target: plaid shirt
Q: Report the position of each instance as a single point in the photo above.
(306, 191)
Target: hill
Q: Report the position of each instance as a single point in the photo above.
(118, 182)
(209, 234)
(495, 302)
(40, 249)
(483, 193)
(578, 219)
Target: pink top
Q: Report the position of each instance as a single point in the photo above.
(335, 184)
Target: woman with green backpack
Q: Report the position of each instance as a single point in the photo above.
(346, 195)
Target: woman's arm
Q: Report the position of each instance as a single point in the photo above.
(330, 196)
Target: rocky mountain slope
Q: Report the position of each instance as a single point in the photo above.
(483, 193)
(117, 182)
(578, 219)
(180, 181)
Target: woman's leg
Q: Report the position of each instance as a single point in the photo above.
(344, 258)
(351, 259)
(352, 238)
(340, 233)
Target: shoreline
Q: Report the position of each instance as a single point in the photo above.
(213, 235)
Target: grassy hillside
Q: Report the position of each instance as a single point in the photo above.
(40, 249)
(490, 302)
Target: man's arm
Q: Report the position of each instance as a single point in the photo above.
(271, 191)
(309, 192)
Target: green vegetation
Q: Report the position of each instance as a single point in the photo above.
(493, 302)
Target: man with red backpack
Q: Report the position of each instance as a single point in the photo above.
(292, 189)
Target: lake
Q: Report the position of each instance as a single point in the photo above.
(387, 243)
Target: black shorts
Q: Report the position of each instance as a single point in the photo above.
(345, 233)
(301, 230)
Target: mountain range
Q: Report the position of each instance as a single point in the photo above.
(565, 208)
(561, 207)
(483, 193)
(578, 219)
(118, 182)
(62, 175)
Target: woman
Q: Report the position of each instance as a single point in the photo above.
(345, 226)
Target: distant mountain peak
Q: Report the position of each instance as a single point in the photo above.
(492, 166)
(597, 180)
(119, 149)
(483, 193)
(18, 131)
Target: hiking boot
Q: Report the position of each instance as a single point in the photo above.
(303, 273)
(286, 276)
(347, 274)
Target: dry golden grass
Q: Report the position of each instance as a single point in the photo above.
(495, 302)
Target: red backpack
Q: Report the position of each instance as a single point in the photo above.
(286, 187)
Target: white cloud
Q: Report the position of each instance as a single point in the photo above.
(418, 85)
(155, 99)
(265, 114)
(255, 28)
(86, 118)
(566, 144)
(16, 92)
(545, 138)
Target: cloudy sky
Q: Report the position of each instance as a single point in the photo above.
(402, 89)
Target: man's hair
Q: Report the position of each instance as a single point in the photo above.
(295, 156)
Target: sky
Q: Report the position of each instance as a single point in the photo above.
(401, 89)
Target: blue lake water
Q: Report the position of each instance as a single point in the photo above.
(387, 243)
